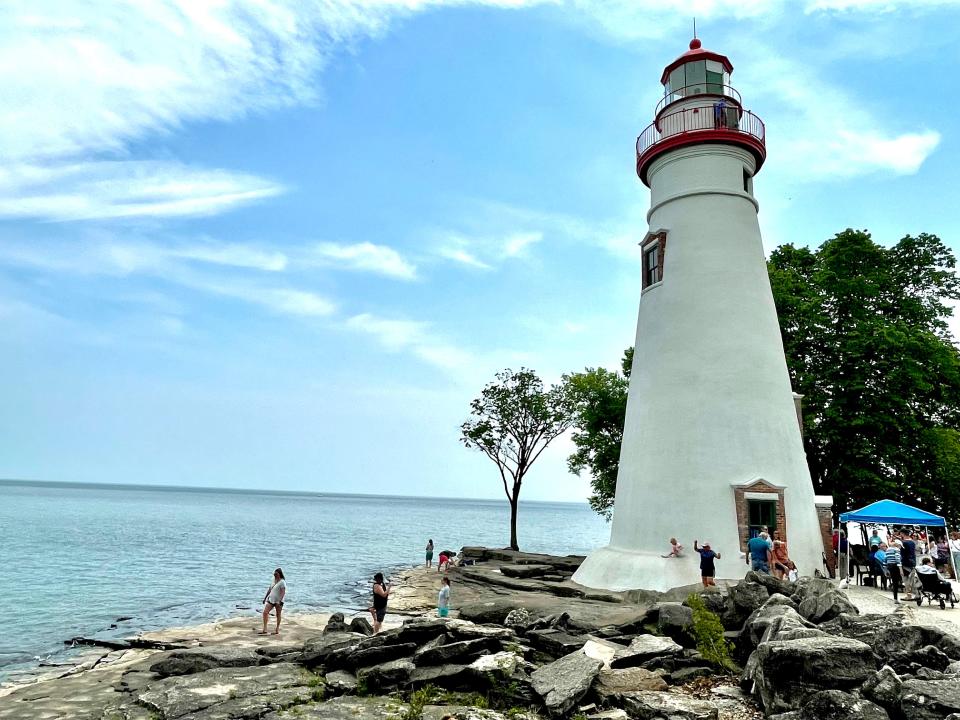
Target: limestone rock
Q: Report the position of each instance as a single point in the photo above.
(657, 705)
(908, 638)
(255, 706)
(953, 668)
(345, 708)
(685, 675)
(883, 688)
(643, 648)
(756, 626)
(194, 660)
(518, 617)
(748, 596)
(564, 682)
(449, 652)
(603, 650)
(336, 624)
(385, 676)
(555, 642)
(367, 653)
(772, 584)
(341, 682)
(449, 676)
(525, 571)
(361, 626)
(612, 682)
(501, 664)
(462, 629)
(928, 657)
(826, 606)
(316, 650)
(465, 712)
(787, 672)
(675, 621)
(930, 699)
(489, 611)
(838, 705)
(174, 697)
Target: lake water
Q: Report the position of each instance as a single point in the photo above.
(78, 558)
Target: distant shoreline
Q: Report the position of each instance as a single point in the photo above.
(70, 485)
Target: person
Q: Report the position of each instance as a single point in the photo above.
(875, 539)
(273, 600)
(758, 553)
(781, 561)
(719, 113)
(926, 568)
(894, 563)
(381, 591)
(676, 549)
(878, 563)
(765, 531)
(942, 557)
(908, 553)
(430, 552)
(442, 561)
(955, 550)
(443, 598)
(708, 570)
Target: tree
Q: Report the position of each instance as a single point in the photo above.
(514, 420)
(600, 401)
(867, 344)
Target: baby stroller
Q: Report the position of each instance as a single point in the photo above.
(933, 588)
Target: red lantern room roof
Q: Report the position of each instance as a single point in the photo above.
(696, 53)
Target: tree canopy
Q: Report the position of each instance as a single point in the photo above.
(514, 420)
(867, 343)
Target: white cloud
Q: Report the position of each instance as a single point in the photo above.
(367, 257)
(464, 257)
(882, 6)
(516, 244)
(124, 189)
(415, 337)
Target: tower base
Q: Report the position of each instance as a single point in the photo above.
(613, 568)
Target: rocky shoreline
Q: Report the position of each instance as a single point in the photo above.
(529, 643)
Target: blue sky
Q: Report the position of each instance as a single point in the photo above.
(282, 245)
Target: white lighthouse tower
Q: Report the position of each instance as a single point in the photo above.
(712, 450)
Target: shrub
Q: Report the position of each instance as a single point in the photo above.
(708, 632)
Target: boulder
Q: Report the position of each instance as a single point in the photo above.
(865, 628)
(418, 630)
(808, 586)
(499, 665)
(361, 626)
(336, 624)
(174, 697)
(194, 660)
(714, 601)
(564, 682)
(838, 705)
(826, 606)
(925, 673)
(883, 688)
(385, 676)
(518, 618)
(488, 611)
(658, 705)
(449, 676)
(908, 638)
(772, 584)
(362, 655)
(762, 618)
(908, 662)
(613, 682)
(643, 648)
(930, 699)
(341, 682)
(953, 668)
(246, 707)
(459, 651)
(345, 708)
(555, 642)
(525, 571)
(464, 630)
(787, 672)
(747, 597)
(676, 621)
(316, 650)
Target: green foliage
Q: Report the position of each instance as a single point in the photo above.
(865, 334)
(707, 630)
(418, 699)
(513, 422)
(362, 688)
(600, 401)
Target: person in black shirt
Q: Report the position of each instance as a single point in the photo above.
(381, 591)
(707, 569)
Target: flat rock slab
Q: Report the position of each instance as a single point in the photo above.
(563, 683)
(465, 712)
(525, 571)
(175, 697)
(253, 707)
(635, 679)
(657, 705)
(341, 682)
(345, 708)
(838, 705)
(643, 648)
(555, 642)
(930, 699)
(194, 660)
(455, 651)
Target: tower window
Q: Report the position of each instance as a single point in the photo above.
(747, 182)
(651, 266)
(760, 514)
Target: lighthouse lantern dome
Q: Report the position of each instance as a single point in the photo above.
(697, 72)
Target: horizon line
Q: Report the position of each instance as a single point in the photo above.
(255, 491)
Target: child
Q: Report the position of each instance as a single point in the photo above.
(443, 600)
(707, 569)
(676, 549)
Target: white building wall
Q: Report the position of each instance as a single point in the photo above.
(710, 403)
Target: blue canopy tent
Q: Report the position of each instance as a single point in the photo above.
(891, 512)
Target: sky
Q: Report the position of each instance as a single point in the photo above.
(282, 245)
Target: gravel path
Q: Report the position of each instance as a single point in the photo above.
(873, 601)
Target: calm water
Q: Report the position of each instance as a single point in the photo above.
(75, 559)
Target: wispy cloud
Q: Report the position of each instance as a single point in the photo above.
(367, 257)
(515, 244)
(464, 257)
(412, 336)
(485, 251)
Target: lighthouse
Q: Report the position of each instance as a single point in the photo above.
(712, 450)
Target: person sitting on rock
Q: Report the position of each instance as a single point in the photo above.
(676, 549)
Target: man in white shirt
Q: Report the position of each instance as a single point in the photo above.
(927, 569)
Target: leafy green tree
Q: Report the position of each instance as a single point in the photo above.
(866, 338)
(600, 401)
(514, 420)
